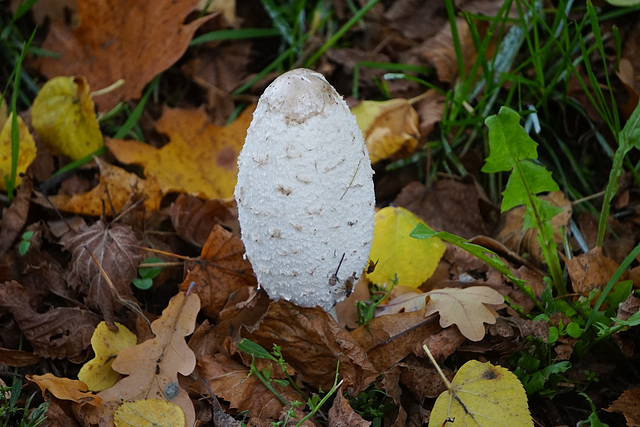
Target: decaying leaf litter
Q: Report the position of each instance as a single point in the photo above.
(160, 188)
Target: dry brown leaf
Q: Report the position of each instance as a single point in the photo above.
(465, 308)
(152, 367)
(17, 357)
(116, 248)
(389, 339)
(200, 158)
(312, 343)
(230, 380)
(628, 404)
(116, 185)
(14, 217)
(66, 389)
(590, 271)
(59, 333)
(119, 47)
(342, 414)
(423, 380)
(194, 218)
(221, 271)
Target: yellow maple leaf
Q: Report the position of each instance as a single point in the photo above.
(482, 395)
(63, 115)
(200, 158)
(26, 154)
(116, 185)
(389, 127)
(97, 373)
(412, 260)
(148, 413)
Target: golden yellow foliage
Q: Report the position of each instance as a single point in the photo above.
(66, 389)
(63, 115)
(412, 260)
(388, 127)
(97, 373)
(26, 154)
(482, 395)
(148, 413)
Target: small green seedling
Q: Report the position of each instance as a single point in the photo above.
(19, 415)
(25, 244)
(147, 274)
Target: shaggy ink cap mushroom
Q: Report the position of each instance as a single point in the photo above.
(305, 192)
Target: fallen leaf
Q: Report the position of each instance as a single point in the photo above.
(342, 414)
(152, 367)
(412, 260)
(221, 271)
(61, 332)
(26, 153)
(590, 270)
(422, 380)
(231, 381)
(465, 308)
(14, 217)
(63, 115)
(97, 373)
(389, 127)
(17, 357)
(628, 404)
(483, 395)
(194, 218)
(200, 158)
(111, 44)
(66, 389)
(117, 186)
(116, 248)
(149, 413)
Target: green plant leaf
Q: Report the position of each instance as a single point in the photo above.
(255, 350)
(508, 142)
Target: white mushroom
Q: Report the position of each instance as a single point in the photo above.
(305, 192)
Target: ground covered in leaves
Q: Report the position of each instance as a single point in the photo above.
(122, 276)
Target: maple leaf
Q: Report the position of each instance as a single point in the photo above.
(115, 247)
(116, 185)
(200, 158)
(111, 43)
(61, 332)
(220, 272)
(152, 367)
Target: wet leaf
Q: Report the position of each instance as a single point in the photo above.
(413, 261)
(63, 116)
(66, 389)
(115, 247)
(389, 127)
(200, 158)
(483, 395)
(26, 153)
(97, 373)
(148, 413)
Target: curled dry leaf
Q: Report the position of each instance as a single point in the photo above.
(222, 271)
(61, 332)
(342, 414)
(627, 404)
(194, 218)
(152, 367)
(590, 270)
(115, 247)
(66, 389)
(230, 380)
(312, 343)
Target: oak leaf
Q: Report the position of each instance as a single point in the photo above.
(222, 271)
(116, 248)
(66, 389)
(26, 153)
(200, 158)
(116, 185)
(63, 116)
(111, 43)
(152, 367)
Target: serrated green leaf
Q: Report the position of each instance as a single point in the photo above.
(508, 142)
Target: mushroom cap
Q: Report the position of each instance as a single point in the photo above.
(305, 192)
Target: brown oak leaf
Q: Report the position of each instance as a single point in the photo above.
(115, 247)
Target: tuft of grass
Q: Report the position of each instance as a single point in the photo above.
(17, 413)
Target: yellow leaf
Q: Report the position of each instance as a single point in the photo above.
(148, 413)
(413, 260)
(26, 154)
(482, 395)
(388, 127)
(63, 115)
(66, 389)
(97, 373)
(200, 158)
(465, 308)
